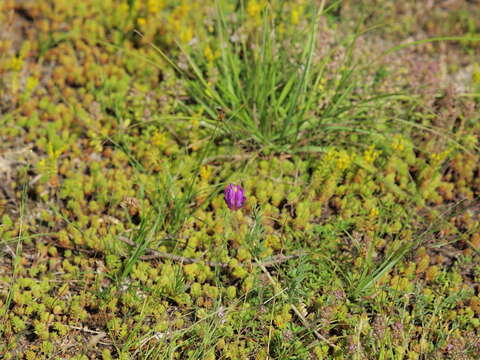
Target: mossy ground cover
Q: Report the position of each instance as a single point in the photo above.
(352, 126)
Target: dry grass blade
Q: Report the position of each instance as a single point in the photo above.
(154, 254)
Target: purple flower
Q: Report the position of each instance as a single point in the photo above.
(234, 196)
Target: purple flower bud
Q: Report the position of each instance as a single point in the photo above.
(234, 196)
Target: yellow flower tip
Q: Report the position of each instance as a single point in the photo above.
(343, 160)
(208, 53)
(206, 172)
(370, 155)
(398, 144)
(123, 8)
(158, 138)
(154, 6)
(186, 35)
(437, 158)
(254, 8)
(476, 74)
(295, 15)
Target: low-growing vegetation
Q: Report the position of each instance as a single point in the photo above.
(239, 179)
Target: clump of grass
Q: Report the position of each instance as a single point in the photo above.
(276, 98)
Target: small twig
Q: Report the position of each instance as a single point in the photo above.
(274, 296)
(280, 259)
(280, 181)
(195, 144)
(87, 330)
(156, 336)
(96, 338)
(154, 254)
(175, 135)
(225, 157)
(9, 250)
